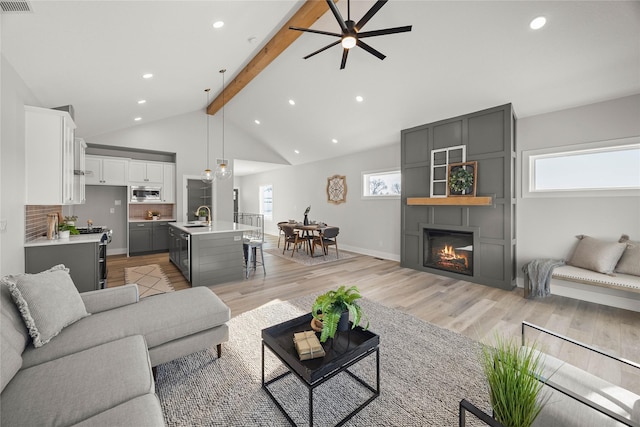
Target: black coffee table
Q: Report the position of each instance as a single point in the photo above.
(349, 348)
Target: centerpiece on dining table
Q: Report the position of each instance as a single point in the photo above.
(306, 212)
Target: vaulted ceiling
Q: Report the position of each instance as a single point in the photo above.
(461, 56)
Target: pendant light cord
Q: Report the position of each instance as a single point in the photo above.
(207, 90)
(223, 104)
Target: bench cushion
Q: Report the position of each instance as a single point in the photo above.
(70, 389)
(159, 318)
(581, 275)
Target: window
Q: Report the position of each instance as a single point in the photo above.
(266, 201)
(381, 184)
(605, 168)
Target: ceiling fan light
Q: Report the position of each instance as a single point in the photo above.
(348, 42)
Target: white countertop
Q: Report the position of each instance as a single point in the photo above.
(216, 227)
(82, 238)
(152, 220)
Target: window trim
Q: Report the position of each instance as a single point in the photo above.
(268, 217)
(364, 187)
(528, 170)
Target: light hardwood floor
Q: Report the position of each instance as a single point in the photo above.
(471, 309)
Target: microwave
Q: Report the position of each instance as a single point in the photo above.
(145, 194)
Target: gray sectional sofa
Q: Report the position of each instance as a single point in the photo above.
(97, 369)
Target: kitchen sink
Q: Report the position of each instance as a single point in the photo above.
(195, 225)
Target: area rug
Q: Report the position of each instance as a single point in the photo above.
(150, 279)
(301, 257)
(424, 373)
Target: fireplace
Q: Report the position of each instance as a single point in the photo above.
(448, 250)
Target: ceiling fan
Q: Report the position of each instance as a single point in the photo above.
(351, 35)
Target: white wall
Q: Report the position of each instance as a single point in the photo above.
(546, 226)
(366, 226)
(185, 135)
(14, 96)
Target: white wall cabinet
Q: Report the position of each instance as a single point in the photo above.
(102, 170)
(49, 156)
(79, 163)
(169, 183)
(141, 172)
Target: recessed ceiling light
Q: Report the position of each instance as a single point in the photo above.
(335, 141)
(256, 121)
(218, 24)
(137, 119)
(292, 102)
(147, 76)
(538, 23)
(359, 98)
(296, 151)
(142, 101)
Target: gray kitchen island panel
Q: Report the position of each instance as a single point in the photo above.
(216, 258)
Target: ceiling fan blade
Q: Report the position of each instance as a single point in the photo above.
(369, 49)
(322, 49)
(309, 30)
(374, 9)
(385, 31)
(345, 52)
(336, 13)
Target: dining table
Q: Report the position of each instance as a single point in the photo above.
(308, 232)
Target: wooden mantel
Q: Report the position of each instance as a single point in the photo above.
(450, 201)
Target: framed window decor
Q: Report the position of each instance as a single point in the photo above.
(440, 161)
(461, 179)
(337, 189)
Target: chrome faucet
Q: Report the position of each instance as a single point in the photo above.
(208, 211)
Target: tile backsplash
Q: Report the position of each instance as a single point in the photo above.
(139, 210)
(35, 220)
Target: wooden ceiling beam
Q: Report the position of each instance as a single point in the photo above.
(308, 14)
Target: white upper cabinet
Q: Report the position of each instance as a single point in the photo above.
(169, 183)
(49, 157)
(141, 172)
(103, 170)
(79, 155)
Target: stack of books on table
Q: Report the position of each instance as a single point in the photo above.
(308, 345)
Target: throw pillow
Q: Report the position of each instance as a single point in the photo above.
(597, 255)
(48, 302)
(630, 261)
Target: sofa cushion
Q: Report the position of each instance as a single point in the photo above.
(71, 389)
(160, 318)
(597, 255)
(141, 411)
(13, 339)
(48, 302)
(630, 260)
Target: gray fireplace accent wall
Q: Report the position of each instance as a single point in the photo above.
(489, 137)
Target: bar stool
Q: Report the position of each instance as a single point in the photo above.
(252, 252)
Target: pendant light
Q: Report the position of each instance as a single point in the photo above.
(223, 171)
(207, 175)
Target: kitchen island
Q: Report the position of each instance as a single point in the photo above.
(208, 255)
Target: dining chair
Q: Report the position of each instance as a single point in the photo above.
(290, 237)
(327, 237)
(280, 231)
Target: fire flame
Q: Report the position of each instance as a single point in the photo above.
(448, 253)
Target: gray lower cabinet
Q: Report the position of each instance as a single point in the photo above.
(80, 258)
(149, 236)
(216, 258)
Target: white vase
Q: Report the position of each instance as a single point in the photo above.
(63, 234)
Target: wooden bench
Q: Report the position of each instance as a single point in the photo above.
(621, 290)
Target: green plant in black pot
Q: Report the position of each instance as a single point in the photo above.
(330, 306)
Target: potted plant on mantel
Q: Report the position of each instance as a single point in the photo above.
(333, 308)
